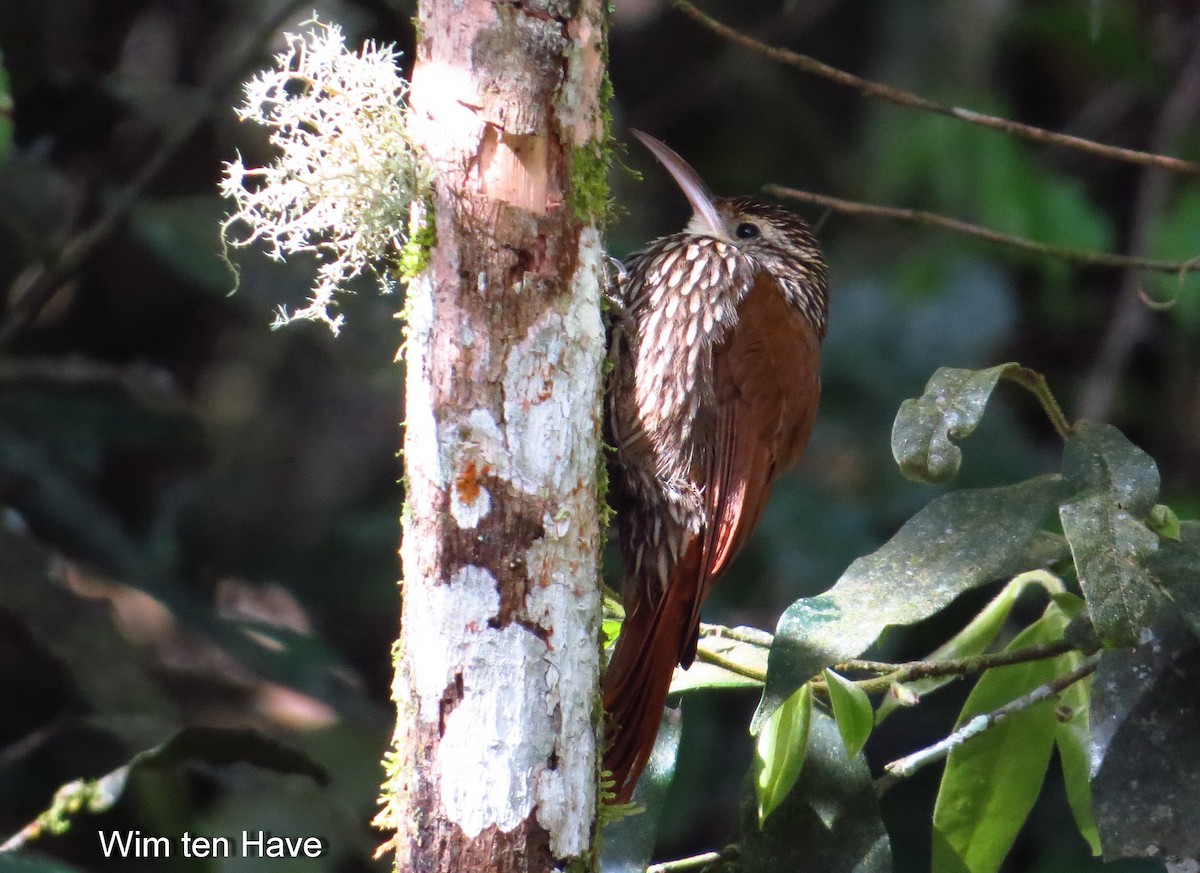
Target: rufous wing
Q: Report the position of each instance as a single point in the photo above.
(766, 386)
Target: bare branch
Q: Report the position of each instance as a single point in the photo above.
(1131, 317)
(1087, 257)
(901, 97)
(735, 667)
(694, 862)
(36, 287)
(889, 674)
(910, 764)
(914, 670)
(859, 665)
(750, 635)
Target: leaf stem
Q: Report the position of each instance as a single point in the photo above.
(910, 764)
(1035, 383)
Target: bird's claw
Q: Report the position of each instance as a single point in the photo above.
(614, 295)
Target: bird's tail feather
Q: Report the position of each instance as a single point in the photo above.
(638, 678)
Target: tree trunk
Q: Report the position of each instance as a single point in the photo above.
(496, 671)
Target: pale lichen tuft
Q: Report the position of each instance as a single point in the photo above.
(346, 171)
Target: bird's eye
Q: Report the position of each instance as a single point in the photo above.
(746, 230)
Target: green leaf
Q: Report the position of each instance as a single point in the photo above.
(59, 504)
(1111, 548)
(950, 409)
(1163, 521)
(1173, 232)
(211, 745)
(627, 844)
(992, 780)
(1108, 542)
(611, 628)
(1102, 39)
(931, 162)
(779, 752)
(184, 234)
(975, 637)
(1146, 749)
(1073, 737)
(59, 427)
(1175, 569)
(223, 746)
(959, 541)
(1099, 457)
(829, 822)
(612, 617)
(852, 711)
(115, 681)
(1061, 213)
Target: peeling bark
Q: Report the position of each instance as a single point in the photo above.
(497, 665)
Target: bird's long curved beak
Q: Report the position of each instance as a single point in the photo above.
(697, 193)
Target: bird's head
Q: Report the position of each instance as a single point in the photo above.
(777, 240)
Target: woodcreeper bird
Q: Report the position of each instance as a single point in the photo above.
(713, 392)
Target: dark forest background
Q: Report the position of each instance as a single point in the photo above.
(200, 513)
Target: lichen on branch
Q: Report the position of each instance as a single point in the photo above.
(346, 171)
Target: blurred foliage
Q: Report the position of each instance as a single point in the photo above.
(6, 127)
(1174, 236)
(200, 521)
(627, 844)
(195, 743)
(200, 514)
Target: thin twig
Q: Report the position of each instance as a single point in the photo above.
(1158, 305)
(749, 635)
(932, 219)
(25, 835)
(1131, 316)
(910, 764)
(695, 861)
(864, 666)
(36, 288)
(28, 744)
(710, 657)
(901, 97)
(890, 674)
(691, 863)
(914, 670)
